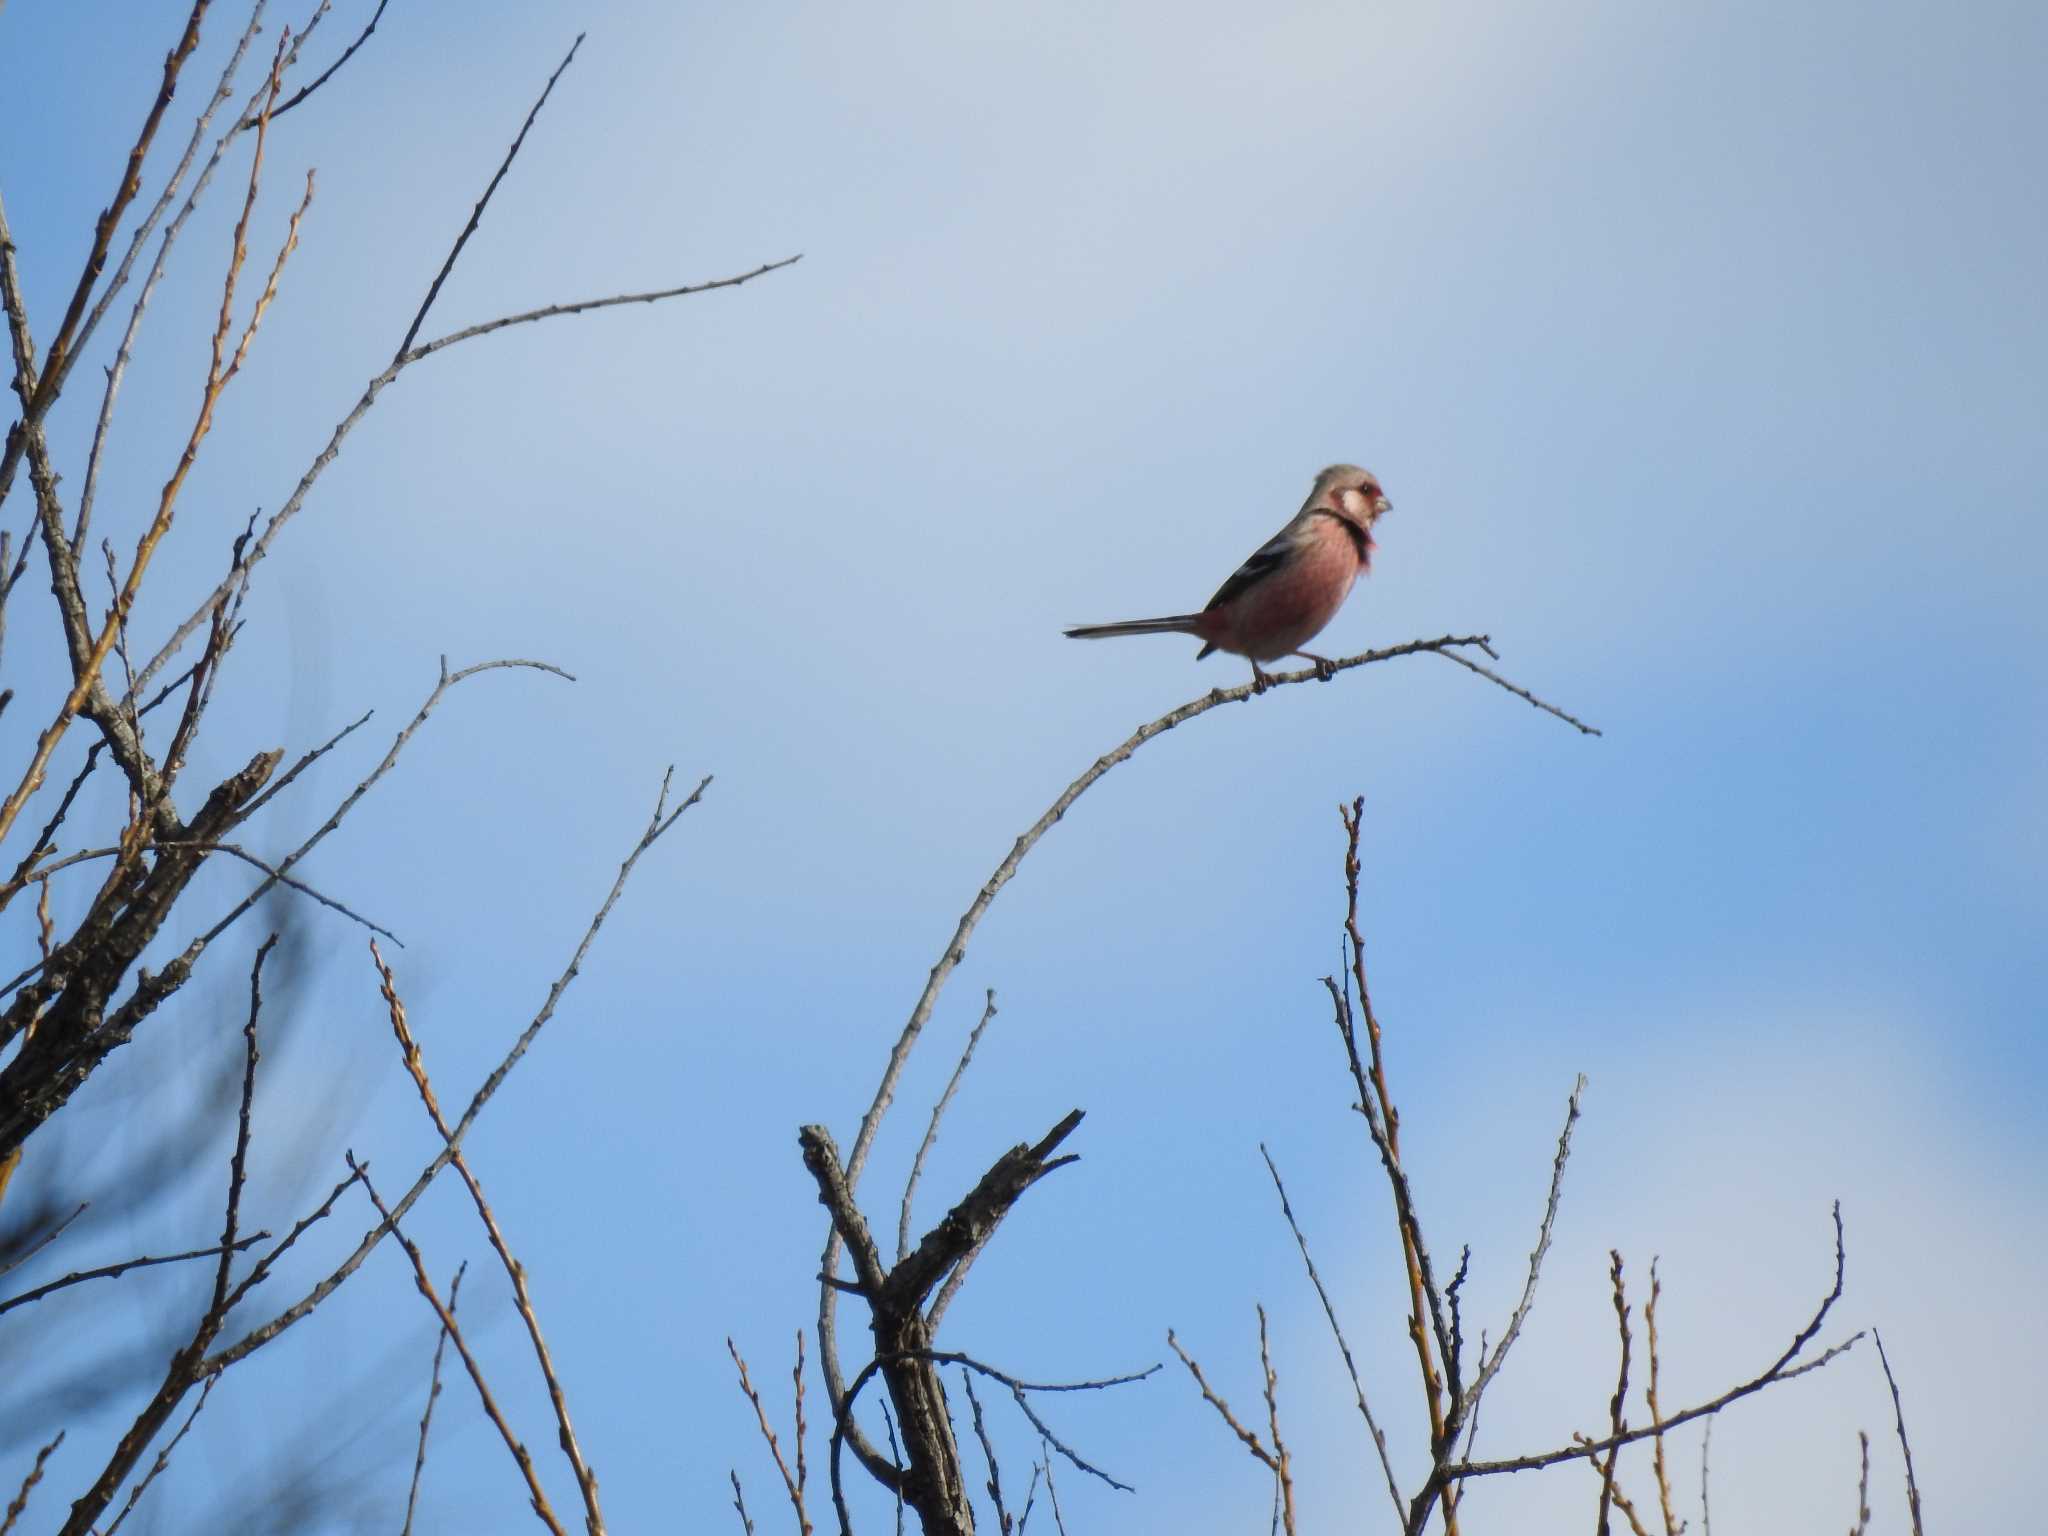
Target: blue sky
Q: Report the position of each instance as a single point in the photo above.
(1700, 350)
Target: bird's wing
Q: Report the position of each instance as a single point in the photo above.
(1263, 561)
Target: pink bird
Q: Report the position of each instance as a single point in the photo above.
(1280, 599)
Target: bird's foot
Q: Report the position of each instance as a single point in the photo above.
(1260, 682)
(1325, 668)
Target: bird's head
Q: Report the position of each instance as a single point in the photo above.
(1352, 493)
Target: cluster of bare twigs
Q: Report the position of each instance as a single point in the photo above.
(86, 994)
(1451, 1386)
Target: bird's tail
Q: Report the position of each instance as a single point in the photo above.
(1174, 624)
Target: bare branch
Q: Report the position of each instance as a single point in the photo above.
(415, 1066)
(1614, 1411)
(931, 1131)
(1862, 1525)
(1898, 1418)
(1671, 1521)
(956, 948)
(163, 1457)
(111, 1271)
(790, 1481)
(419, 1459)
(477, 213)
(1379, 1439)
(35, 1475)
(520, 1455)
(662, 820)
(1490, 1365)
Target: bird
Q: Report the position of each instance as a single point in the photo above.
(1290, 587)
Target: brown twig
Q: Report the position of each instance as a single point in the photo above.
(1383, 1124)
(163, 1457)
(1282, 1469)
(88, 674)
(1250, 1439)
(792, 1482)
(419, 1459)
(19, 1502)
(1379, 1438)
(1671, 1521)
(536, 1495)
(1862, 1525)
(415, 1066)
(1614, 1411)
(1899, 1419)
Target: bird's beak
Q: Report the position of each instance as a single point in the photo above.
(1381, 506)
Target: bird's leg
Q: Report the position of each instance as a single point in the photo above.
(1325, 668)
(1260, 682)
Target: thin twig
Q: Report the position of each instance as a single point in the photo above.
(790, 1481)
(1862, 1525)
(1282, 1469)
(988, 1453)
(1490, 1365)
(328, 73)
(1671, 1521)
(419, 1459)
(1614, 1411)
(662, 820)
(28, 1483)
(1252, 1443)
(739, 1501)
(477, 213)
(536, 1495)
(931, 1131)
(1898, 1418)
(415, 1066)
(1379, 1439)
(1781, 1369)
(447, 681)
(110, 1271)
(163, 1457)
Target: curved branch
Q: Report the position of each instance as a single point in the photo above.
(956, 947)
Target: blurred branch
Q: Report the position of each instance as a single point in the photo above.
(663, 819)
(1862, 1525)
(187, 1364)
